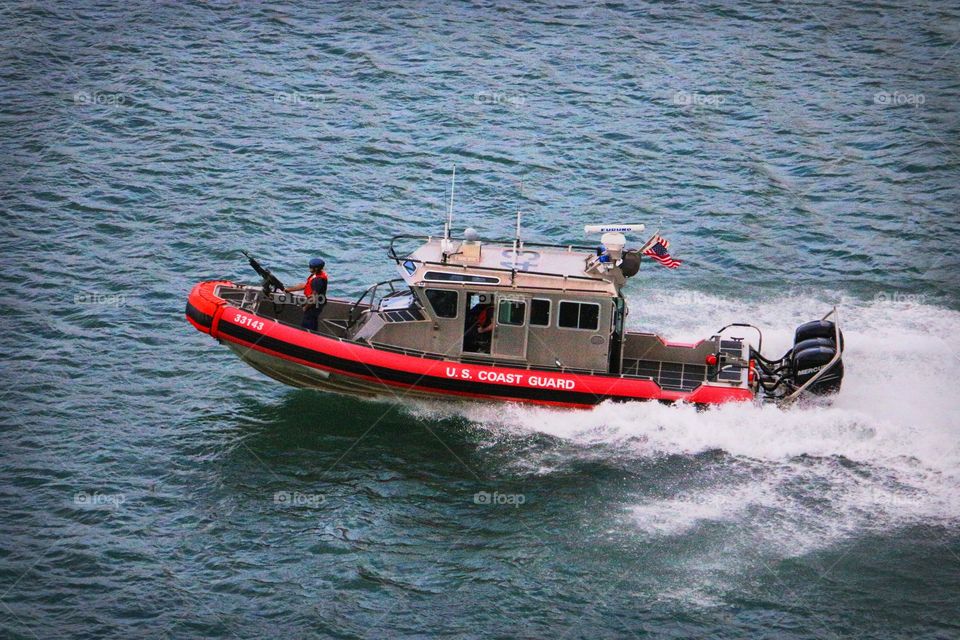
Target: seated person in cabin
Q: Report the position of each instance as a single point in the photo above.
(479, 328)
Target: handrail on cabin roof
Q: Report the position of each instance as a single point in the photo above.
(398, 259)
(408, 236)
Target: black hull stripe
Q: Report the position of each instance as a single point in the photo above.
(410, 378)
(202, 319)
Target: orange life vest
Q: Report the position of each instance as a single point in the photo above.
(308, 289)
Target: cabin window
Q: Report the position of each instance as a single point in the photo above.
(511, 312)
(444, 302)
(540, 312)
(446, 276)
(579, 315)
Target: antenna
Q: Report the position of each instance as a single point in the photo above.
(446, 227)
(516, 239)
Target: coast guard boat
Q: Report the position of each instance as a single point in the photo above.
(554, 318)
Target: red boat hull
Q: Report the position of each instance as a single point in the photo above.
(309, 359)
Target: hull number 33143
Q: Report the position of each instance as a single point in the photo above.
(248, 322)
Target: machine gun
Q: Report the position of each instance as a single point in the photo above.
(270, 282)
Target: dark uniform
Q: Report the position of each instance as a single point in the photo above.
(316, 292)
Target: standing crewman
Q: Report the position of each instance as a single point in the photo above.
(315, 288)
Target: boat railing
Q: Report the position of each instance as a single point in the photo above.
(392, 253)
(251, 300)
(408, 236)
(371, 292)
(493, 362)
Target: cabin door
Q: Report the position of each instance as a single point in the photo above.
(616, 335)
(510, 332)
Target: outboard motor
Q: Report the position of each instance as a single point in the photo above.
(817, 329)
(814, 359)
(814, 347)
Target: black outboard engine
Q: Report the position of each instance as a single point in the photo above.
(814, 359)
(814, 347)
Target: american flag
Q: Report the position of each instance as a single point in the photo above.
(656, 248)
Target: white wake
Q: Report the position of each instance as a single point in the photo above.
(885, 452)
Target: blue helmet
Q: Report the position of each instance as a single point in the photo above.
(317, 263)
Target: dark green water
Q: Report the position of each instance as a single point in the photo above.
(799, 156)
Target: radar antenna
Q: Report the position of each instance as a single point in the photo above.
(516, 240)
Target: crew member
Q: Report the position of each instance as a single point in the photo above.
(480, 325)
(315, 288)
(485, 319)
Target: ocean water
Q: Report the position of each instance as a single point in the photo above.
(798, 156)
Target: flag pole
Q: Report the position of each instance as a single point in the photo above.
(649, 243)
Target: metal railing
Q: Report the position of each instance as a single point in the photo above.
(408, 236)
(371, 292)
(569, 247)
